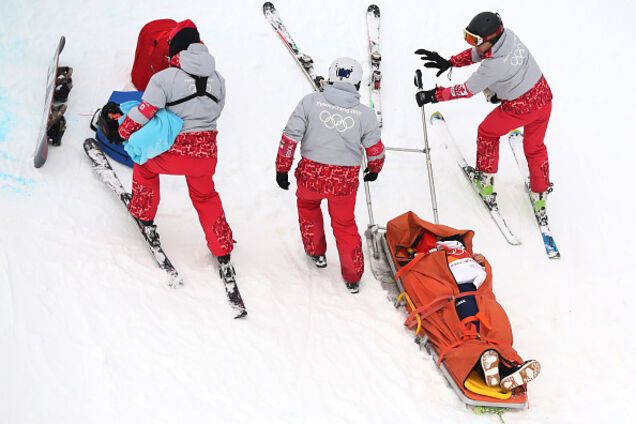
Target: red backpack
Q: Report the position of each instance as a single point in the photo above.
(151, 55)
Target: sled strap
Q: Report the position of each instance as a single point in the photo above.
(412, 307)
(408, 266)
(434, 306)
(446, 349)
(92, 123)
(201, 84)
(458, 343)
(484, 321)
(427, 310)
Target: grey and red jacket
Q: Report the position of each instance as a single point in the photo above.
(200, 114)
(507, 70)
(333, 129)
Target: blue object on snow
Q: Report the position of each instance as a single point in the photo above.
(154, 138)
(116, 151)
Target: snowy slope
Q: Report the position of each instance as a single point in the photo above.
(89, 331)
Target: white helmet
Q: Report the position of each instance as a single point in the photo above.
(345, 69)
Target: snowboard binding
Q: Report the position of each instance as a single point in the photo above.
(56, 131)
(55, 115)
(63, 84)
(56, 123)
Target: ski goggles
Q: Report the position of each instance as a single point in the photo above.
(476, 40)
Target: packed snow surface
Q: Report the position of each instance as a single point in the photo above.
(90, 331)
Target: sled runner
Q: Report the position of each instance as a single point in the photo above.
(423, 283)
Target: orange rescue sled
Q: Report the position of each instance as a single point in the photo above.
(425, 283)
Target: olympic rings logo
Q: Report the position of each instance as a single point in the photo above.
(518, 56)
(336, 121)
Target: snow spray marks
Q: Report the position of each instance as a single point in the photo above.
(5, 122)
(14, 183)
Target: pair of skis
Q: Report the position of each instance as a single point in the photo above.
(515, 141)
(306, 63)
(103, 169)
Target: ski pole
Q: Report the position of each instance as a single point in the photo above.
(429, 163)
(367, 194)
(371, 232)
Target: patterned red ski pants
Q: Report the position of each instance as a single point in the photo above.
(198, 173)
(499, 123)
(343, 223)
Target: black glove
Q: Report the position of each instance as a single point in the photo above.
(434, 60)
(370, 176)
(282, 180)
(425, 96)
(491, 97)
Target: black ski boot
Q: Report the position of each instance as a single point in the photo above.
(149, 229)
(319, 260)
(228, 276)
(226, 270)
(55, 133)
(353, 287)
(150, 233)
(63, 84)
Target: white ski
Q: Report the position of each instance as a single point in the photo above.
(373, 31)
(515, 140)
(304, 61)
(490, 204)
(102, 168)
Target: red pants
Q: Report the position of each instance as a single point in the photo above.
(499, 123)
(341, 211)
(198, 173)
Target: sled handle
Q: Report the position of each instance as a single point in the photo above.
(93, 127)
(418, 79)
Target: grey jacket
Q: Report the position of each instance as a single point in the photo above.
(198, 114)
(509, 73)
(333, 127)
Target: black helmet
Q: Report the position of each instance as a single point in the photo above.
(486, 26)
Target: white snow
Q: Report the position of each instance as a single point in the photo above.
(90, 331)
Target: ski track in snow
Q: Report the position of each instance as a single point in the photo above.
(90, 332)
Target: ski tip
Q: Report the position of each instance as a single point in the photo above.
(240, 314)
(90, 143)
(417, 80)
(437, 116)
(373, 8)
(175, 281)
(550, 247)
